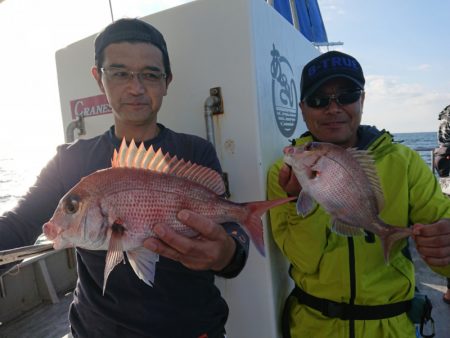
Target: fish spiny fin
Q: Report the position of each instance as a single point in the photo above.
(130, 154)
(113, 257)
(121, 153)
(140, 153)
(146, 157)
(138, 157)
(156, 161)
(367, 163)
(114, 161)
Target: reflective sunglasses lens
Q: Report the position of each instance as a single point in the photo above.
(342, 99)
(350, 97)
(317, 102)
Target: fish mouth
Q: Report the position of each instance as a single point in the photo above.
(51, 231)
(288, 150)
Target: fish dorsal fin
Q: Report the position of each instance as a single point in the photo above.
(138, 157)
(367, 163)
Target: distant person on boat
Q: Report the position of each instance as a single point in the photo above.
(132, 69)
(444, 127)
(442, 152)
(446, 296)
(442, 163)
(343, 286)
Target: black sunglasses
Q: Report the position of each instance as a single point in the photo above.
(341, 99)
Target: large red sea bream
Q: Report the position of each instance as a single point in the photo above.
(115, 209)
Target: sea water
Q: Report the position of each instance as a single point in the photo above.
(423, 143)
(19, 167)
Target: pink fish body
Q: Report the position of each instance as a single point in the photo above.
(345, 183)
(115, 209)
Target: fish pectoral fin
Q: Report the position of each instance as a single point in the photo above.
(346, 230)
(305, 204)
(113, 257)
(143, 262)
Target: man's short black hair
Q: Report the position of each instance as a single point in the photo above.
(131, 30)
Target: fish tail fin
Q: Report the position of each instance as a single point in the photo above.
(392, 235)
(253, 222)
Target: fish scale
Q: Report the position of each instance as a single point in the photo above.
(358, 201)
(154, 201)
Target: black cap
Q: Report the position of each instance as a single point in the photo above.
(129, 30)
(327, 66)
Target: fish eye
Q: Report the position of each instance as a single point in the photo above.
(308, 146)
(71, 204)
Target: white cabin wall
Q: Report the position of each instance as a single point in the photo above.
(269, 31)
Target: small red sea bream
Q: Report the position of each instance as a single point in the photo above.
(115, 209)
(345, 183)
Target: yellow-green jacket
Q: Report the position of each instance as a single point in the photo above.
(345, 269)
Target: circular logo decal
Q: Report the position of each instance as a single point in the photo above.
(284, 94)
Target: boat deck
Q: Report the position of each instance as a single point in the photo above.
(44, 321)
(434, 286)
(50, 320)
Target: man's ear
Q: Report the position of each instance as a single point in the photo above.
(363, 96)
(168, 81)
(98, 78)
(301, 105)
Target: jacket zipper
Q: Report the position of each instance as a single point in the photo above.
(351, 262)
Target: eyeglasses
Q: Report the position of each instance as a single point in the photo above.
(341, 99)
(121, 76)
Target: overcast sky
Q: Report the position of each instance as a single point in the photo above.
(403, 47)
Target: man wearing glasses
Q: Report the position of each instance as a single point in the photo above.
(132, 69)
(343, 287)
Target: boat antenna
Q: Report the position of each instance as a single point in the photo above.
(111, 10)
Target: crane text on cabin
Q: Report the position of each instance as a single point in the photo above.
(90, 106)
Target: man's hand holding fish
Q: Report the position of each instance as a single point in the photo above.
(433, 242)
(211, 249)
(288, 181)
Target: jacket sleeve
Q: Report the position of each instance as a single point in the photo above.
(279, 215)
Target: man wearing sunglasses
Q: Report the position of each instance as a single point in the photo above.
(343, 288)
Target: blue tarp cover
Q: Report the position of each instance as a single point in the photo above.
(309, 18)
